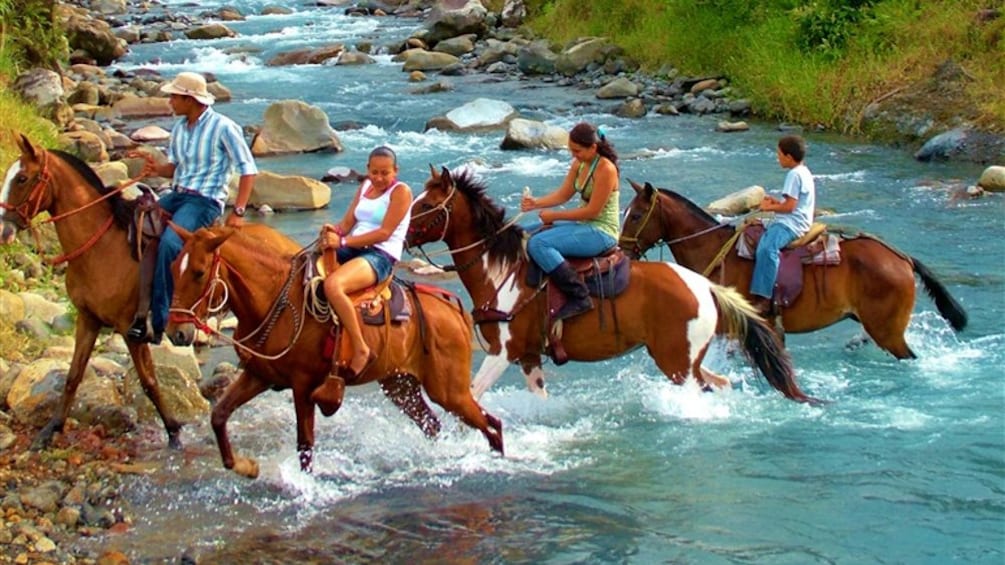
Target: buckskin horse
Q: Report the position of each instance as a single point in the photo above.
(102, 275)
(873, 283)
(670, 310)
(258, 273)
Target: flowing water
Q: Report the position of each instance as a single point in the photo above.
(904, 465)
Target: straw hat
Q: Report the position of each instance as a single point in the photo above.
(190, 84)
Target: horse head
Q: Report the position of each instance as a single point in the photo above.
(641, 229)
(432, 209)
(198, 289)
(24, 188)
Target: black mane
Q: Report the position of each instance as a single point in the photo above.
(489, 218)
(122, 209)
(694, 208)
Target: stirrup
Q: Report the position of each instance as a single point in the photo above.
(140, 331)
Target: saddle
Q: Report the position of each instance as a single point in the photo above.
(817, 247)
(606, 276)
(148, 223)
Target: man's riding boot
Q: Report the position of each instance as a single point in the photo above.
(576, 293)
(141, 330)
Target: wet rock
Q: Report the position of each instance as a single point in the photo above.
(536, 59)
(292, 126)
(531, 134)
(343, 174)
(965, 145)
(481, 114)
(210, 31)
(286, 192)
(739, 202)
(7, 437)
(993, 179)
(729, 127)
(44, 497)
(39, 87)
(422, 60)
(618, 88)
(634, 108)
(450, 18)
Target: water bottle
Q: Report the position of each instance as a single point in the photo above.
(526, 192)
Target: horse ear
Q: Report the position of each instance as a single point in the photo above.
(445, 173)
(432, 173)
(638, 187)
(649, 189)
(219, 237)
(183, 233)
(26, 146)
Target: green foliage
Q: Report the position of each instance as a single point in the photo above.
(31, 34)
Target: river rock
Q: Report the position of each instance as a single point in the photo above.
(316, 56)
(210, 31)
(993, 179)
(579, 56)
(634, 108)
(108, 7)
(343, 174)
(457, 46)
(131, 106)
(354, 58)
(532, 134)
(729, 127)
(36, 391)
(739, 202)
(481, 114)
(292, 126)
(12, 307)
(450, 18)
(513, 13)
(620, 87)
(963, 144)
(286, 192)
(37, 307)
(422, 60)
(536, 58)
(179, 392)
(150, 133)
(95, 37)
(39, 87)
(111, 173)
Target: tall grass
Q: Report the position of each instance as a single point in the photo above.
(807, 61)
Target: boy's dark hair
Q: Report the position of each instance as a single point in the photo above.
(585, 135)
(383, 151)
(793, 146)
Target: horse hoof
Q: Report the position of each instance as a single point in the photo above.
(246, 467)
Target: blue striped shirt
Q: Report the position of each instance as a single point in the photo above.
(205, 154)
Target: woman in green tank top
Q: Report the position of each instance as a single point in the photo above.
(584, 231)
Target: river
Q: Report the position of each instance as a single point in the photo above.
(906, 464)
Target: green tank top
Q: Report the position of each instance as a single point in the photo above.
(609, 220)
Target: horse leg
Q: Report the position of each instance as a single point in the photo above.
(86, 334)
(709, 379)
(888, 333)
(305, 428)
(246, 387)
(404, 392)
(534, 375)
(144, 363)
(491, 369)
(672, 362)
(456, 398)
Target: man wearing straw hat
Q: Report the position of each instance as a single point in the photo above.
(205, 147)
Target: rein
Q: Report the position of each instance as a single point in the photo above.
(33, 205)
(282, 301)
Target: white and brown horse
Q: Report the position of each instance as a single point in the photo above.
(669, 310)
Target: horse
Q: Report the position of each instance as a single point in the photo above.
(257, 272)
(102, 276)
(873, 283)
(670, 310)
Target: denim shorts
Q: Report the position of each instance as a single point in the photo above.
(381, 263)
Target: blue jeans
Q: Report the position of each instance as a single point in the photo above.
(191, 212)
(775, 238)
(549, 247)
(381, 262)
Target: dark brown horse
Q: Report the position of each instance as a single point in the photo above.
(873, 283)
(258, 273)
(670, 310)
(102, 277)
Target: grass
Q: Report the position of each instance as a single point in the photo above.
(764, 48)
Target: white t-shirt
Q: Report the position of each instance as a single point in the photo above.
(799, 185)
(370, 214)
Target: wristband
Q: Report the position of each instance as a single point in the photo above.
(341, 242)
(239, 211)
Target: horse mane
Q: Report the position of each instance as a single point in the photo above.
(490, 218)
(694, 208)
(122, 209)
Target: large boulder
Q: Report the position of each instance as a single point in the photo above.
(513, 13)
(85, 145)
(132, 106)
(963, 144)
(578, 57)
(293, 126)
(993, 179)
(422, 60)
(111, 173)
(210, 31)
(739, 202)
(95, 37)
(286, 192)
(620, 87)
(39, 87)
(315, 56)
(108, 7)
(36, 390)
(481, 114)
(450, 18)
(536, 58)
(12, 307)
(179, 393)
(531, 134)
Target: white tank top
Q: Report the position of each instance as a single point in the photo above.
(370, 214)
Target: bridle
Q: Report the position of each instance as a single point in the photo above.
(636, 246)
(32, 206)
(264, 330)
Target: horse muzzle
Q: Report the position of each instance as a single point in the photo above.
(7, 232)
(180, 333)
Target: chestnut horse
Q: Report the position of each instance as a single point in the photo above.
(670, 310)
(873, 283)
(258, 273)
(102, 276)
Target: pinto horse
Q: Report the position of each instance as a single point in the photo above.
(102, 275)
(670, 310)
(257, 272)
(873, 283)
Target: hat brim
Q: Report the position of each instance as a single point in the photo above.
(203, 98)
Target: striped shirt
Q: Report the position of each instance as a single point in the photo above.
(205, 154)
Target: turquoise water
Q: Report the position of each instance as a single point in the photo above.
(906, 464)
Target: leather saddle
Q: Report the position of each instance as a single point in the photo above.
(148, 222)
(381, 303)
(817, 247)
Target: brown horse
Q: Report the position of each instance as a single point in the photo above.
(873, 283)
(102, 277)
(670, 310)
(258, 273)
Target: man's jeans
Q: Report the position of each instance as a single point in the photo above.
(775, 238)
(549, 247)
(190, 211)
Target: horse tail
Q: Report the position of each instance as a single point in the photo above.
(948, 307)
(739, 320)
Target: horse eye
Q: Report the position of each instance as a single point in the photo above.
(21, 179)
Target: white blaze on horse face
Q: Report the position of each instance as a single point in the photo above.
(7, 181)
(183, 265)
(701, 329)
